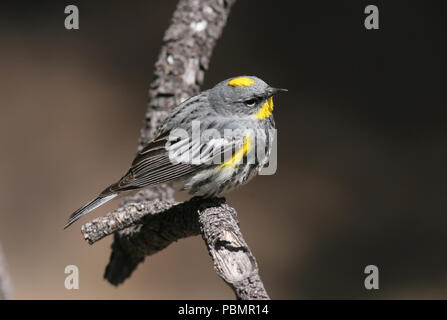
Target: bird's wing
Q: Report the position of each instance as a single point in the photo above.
(169, 157)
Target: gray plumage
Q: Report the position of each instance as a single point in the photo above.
(211, 165)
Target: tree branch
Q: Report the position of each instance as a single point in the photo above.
(151, 220)
(232, 258)
(150, 226)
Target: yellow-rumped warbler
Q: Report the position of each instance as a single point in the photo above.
(236, 122)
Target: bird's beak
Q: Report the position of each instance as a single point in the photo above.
(273, 91)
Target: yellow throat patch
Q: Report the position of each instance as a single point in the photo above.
(266, 109)
(241, 82)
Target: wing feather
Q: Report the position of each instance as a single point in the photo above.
(164, 160)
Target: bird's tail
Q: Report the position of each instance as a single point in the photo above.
(89, 207)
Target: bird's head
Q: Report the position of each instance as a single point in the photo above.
(244, 95)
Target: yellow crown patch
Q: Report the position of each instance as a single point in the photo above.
(241, 82)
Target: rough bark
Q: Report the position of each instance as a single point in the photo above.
(151, 220)
(150, 226)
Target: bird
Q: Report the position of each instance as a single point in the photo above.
(212, 142)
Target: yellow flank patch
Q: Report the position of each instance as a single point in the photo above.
(238, 155)
(266, 109)
(241, 82)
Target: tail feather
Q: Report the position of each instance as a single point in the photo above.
(89, 207)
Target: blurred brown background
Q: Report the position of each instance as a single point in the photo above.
(362, 153)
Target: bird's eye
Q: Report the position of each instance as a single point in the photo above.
(250, 102)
